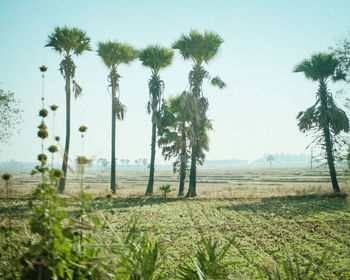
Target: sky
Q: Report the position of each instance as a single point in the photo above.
(254, 115)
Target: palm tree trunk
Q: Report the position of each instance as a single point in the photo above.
(113, 185)
(330, 160)
(327, 137)
(149, 190)
(62, 182)
(193, 174)
(183, 166)
(182, 179)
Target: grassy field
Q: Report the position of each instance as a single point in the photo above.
(268, 213)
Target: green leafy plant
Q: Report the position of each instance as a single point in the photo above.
(293, 269)
(208, 262)
(165, 189)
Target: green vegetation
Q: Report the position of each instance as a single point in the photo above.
(324, 118)
(186, 234)
(10, 115)
(165, 189)
(174, 134)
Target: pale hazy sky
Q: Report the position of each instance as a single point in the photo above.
(253, 116)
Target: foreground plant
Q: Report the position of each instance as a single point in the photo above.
(208, 262)
(292, 268)
(68, 41)
(325, 119)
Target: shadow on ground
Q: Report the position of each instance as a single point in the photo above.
(293, 205)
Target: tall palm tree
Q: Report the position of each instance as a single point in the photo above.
(68, 42)
(325, 118)
(174, 132)
(113, 54)
(156, 58)
(199, 48)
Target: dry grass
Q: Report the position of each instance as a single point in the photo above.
(210, 183)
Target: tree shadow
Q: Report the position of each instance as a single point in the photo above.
(129, 202)
(293, 205)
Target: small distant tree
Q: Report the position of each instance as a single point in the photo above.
(342, 54)
(270, 159)
(325, 119)
(104, 163)
(10, 115)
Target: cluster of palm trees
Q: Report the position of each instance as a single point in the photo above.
(180, 123)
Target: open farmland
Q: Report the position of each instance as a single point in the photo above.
(268, 213)
(211, 183)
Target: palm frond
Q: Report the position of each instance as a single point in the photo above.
(76, 89)
(216, 81)
(120, 109)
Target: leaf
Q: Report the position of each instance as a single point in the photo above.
(69, 273)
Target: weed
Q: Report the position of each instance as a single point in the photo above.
(165, 189)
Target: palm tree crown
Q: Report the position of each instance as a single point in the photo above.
(156, 57)
(198, 47)
(68, 40)
(115, 53)
(320, 67)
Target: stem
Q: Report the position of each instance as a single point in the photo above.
(149, 190)
(193, 174)
(113, 167)
(62, 182)
(327, 136)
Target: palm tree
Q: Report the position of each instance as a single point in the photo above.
(325, 118)
(174, 132)
(173, 136)
(155, 57)
(113, 54)
(68, 42)
(199, 48)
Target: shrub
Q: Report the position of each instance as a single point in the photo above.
(165, 189)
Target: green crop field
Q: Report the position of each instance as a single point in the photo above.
(269, 215)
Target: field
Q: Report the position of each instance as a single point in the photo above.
(269, 213)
